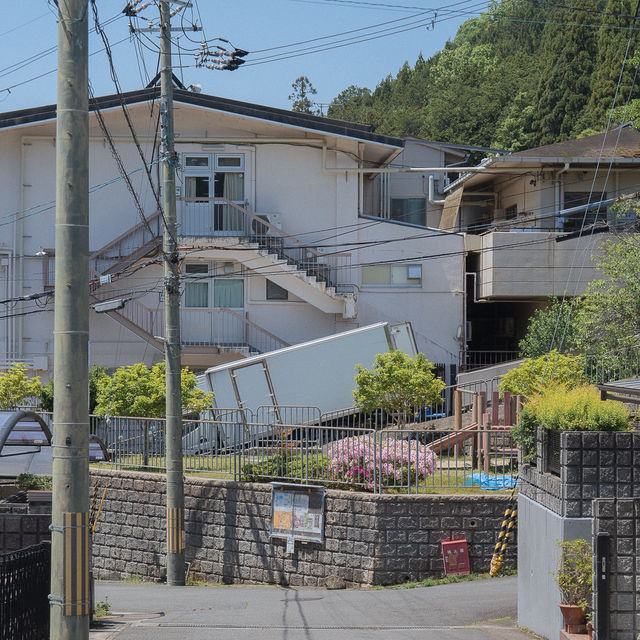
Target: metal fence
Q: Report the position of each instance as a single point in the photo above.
(24, 588)
(311, 449)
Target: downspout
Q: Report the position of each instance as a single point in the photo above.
(11, 322)
(557, 194)
(19, 249)
(432, 193)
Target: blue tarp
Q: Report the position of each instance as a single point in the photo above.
(491, 483)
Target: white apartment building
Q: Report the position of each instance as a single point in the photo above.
(288, 231)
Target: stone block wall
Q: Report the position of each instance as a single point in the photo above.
(592, 465)
(369, 539)
(620, 518)
(20, 529)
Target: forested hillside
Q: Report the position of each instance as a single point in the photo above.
(525, 73)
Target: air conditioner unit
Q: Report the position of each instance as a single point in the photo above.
(274, 219)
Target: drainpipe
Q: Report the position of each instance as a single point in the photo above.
(557, 193)
(19, 249)
(8, 255)
(432, 193)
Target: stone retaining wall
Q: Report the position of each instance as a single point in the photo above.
(369, 539)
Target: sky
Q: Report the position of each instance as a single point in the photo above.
(265, 28)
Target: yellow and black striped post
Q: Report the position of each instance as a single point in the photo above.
(508, 523)
(175, 538)
(76, 564)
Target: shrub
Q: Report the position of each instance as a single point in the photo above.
(286, 465)
(535, 375)
(28, 481)
(575, 573)
(578, 409)
(524, 434)
(358, 459)
(562, 409)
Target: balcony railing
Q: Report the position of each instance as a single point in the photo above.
(478, 359)
(226, 329)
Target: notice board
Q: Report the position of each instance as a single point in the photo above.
(297, 512)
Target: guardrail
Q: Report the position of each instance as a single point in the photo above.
(24, 586)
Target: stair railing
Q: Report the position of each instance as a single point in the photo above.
(219, 217)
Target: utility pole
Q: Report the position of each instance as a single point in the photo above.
(69, 597)
(175, 484)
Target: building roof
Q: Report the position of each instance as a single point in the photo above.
(623, 142)
(280, 116)
(619, 146)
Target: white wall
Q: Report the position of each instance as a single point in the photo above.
(315, 205)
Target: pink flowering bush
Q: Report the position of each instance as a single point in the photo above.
(361, 460)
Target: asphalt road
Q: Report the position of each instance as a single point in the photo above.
(479, 610)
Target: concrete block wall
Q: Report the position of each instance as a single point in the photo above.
(20, 529)
(599, 478)
(369, 539)
(592, 465)
(620, 518)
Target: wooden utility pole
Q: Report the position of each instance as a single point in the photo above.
(70, 515)
(175, 485)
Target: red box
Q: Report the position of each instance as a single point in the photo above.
(455, 555)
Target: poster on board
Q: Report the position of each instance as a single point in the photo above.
(297, 512)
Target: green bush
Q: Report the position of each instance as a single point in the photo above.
(524, 434)
(286, 465)
(535, 375)
(579, 409)
(562, 409)
(28, 481)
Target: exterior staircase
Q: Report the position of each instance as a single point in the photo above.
(317, 278)
(262, 247)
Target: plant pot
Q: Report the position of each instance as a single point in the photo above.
(573, 614)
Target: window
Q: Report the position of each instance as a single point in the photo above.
(196, 287)
(574, 221)
(511, 212)
(218, 285)
(196, 186)
(196, 161)
(276, 292)
(223, 163)
(392, 275)
(411, 210)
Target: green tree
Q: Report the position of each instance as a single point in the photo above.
(16, 387)
(609, 318)
(301, 100)
(397, 383)
(535, 375)
(139, 391)
(612, 45)
(568, 51)
(350, 104)
(95, 373)
(552, 327)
